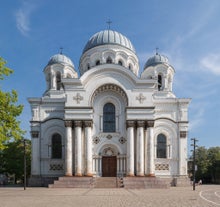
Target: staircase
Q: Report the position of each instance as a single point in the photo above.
(107, 182)
(73, 182)
(144, 183)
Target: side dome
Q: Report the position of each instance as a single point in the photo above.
(60, 58)
(156, 59)
(108, 37)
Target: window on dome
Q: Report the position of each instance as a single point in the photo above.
(130, 67)
(161, 146)
(56, 147)
(109, 117)
(159, 82)
(88, 67)
(58, 80)
(109, 60)
(97, 62)
(120, 63)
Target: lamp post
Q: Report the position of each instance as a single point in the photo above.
(194, 162)
(25, 181)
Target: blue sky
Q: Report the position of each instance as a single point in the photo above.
(188, 32)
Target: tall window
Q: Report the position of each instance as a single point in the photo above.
(58, 80)
(109, 60)
(56, 147)
(159, 82)
(161, 146)
(109, 118)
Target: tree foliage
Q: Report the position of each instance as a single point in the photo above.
(12, 159)
(9, 111)
(208, 164)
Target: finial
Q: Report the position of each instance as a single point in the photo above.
(109, 24)
(61, 50)
(157, 48)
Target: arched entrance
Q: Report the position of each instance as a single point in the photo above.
(109, 162)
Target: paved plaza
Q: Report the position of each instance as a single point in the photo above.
(203, 196)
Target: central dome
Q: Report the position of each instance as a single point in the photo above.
(108, 37)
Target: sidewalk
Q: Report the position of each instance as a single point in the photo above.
(203, 196)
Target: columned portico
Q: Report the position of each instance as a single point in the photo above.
(88, 137)
(130, 148)
(78, 137)
(68, 149)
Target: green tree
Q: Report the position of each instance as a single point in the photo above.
(9, 111)
(214, 164)
(12, 159)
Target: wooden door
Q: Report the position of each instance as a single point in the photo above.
(109, 166)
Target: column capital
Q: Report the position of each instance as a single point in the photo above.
(140, 123)
(88, 123)
(150, 123)
(34, 134)
(183, 134)
(130, 123)
(68, 123)
(77, 123)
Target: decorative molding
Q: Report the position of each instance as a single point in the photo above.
(77, 123)
(109, 136)
(34, 134)
(68, 123)
(140, 123)
(183, 134)
(111, 87)
(122, 140)
(130, 123)
(88, 123)
(56, 167)
(78, 98)
(161, 166)
(150, 123)
(96, 140)
(141, 98)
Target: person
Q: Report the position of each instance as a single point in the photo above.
(200, 182)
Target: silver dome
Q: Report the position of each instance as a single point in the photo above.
(108, 37)
(60, 58)
(156, 59)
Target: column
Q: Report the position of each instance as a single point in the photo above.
(78, 137)
(150, 130)
(68, 149)
(35, 163)
(183, 153)
(140, 148)
(88, 137)
(130, 148)
(146, 150)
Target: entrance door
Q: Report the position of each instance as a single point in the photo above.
(109, 166)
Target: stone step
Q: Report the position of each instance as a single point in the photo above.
(106, 182)
(144, 183)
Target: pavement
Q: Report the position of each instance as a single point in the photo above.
(203, 196)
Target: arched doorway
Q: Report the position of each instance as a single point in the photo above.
(109, 162)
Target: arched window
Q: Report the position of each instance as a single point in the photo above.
(56, 147)
(130, 67)
(97, 62)
(161, 146)
(58, 80)
(159, 82)
(109, 60)
(109, 118)
(120, 62)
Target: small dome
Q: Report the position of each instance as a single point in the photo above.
(108, 37)
(60, 58)
(156, 59)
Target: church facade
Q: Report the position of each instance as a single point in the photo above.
(109, 120)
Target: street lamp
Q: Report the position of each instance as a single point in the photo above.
(194, 161)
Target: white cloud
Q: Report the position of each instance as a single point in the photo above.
(211, 62)
(23, 18)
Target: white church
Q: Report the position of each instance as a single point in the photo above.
(109, 120)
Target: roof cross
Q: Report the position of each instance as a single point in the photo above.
(157, 48)
(109, 24)
(61, 50)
